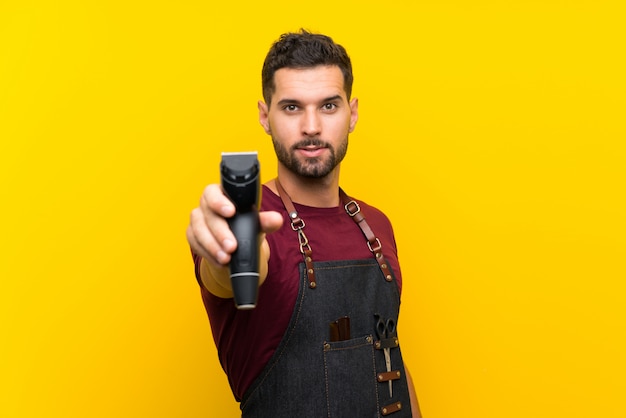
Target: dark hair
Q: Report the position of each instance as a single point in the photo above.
(304, 50)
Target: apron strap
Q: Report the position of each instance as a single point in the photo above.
(297, 224)
(354, 210)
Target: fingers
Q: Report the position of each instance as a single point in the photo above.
(208, 232)
(214, 200)
(270, 221)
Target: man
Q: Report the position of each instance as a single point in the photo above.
(322, 339)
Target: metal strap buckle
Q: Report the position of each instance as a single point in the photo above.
(377, 248)
(352, 208)
(304, 241)
(297, 223)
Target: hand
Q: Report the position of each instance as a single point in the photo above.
(208, 233)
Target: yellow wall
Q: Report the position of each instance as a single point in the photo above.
(492, 133)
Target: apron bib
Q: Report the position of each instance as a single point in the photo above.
(315, 374)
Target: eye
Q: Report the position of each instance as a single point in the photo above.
(290, 108)
(329, 106)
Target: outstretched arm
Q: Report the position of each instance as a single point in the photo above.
(210, 237)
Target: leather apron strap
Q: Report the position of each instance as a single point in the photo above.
(297, 224)
(353, 209)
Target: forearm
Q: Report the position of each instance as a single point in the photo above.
(415, 408)
(216, 279)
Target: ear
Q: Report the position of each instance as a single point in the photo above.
(264, 117)
(354, 113)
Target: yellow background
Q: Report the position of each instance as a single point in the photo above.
(492, 133)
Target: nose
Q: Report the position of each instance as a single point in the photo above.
(311, 123)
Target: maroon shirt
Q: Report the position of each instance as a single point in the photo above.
(246, 340)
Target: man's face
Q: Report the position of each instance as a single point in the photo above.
(309, 119)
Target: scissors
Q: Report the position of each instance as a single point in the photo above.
(384, 330)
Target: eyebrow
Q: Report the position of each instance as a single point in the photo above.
(288, 101)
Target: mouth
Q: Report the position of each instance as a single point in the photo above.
(311, 149)
(311, 152)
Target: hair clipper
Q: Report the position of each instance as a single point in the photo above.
(240, 175)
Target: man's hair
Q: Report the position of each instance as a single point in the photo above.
(301, 50)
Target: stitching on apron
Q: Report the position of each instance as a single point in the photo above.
(345, 266)
(376, 387)
(326, 384)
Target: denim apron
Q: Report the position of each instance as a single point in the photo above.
(315, 374)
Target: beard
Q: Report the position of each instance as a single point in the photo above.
(317, 167)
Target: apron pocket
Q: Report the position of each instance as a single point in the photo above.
(350, 373)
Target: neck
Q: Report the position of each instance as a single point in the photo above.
(315, 192)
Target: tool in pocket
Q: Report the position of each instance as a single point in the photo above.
(386, 330)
